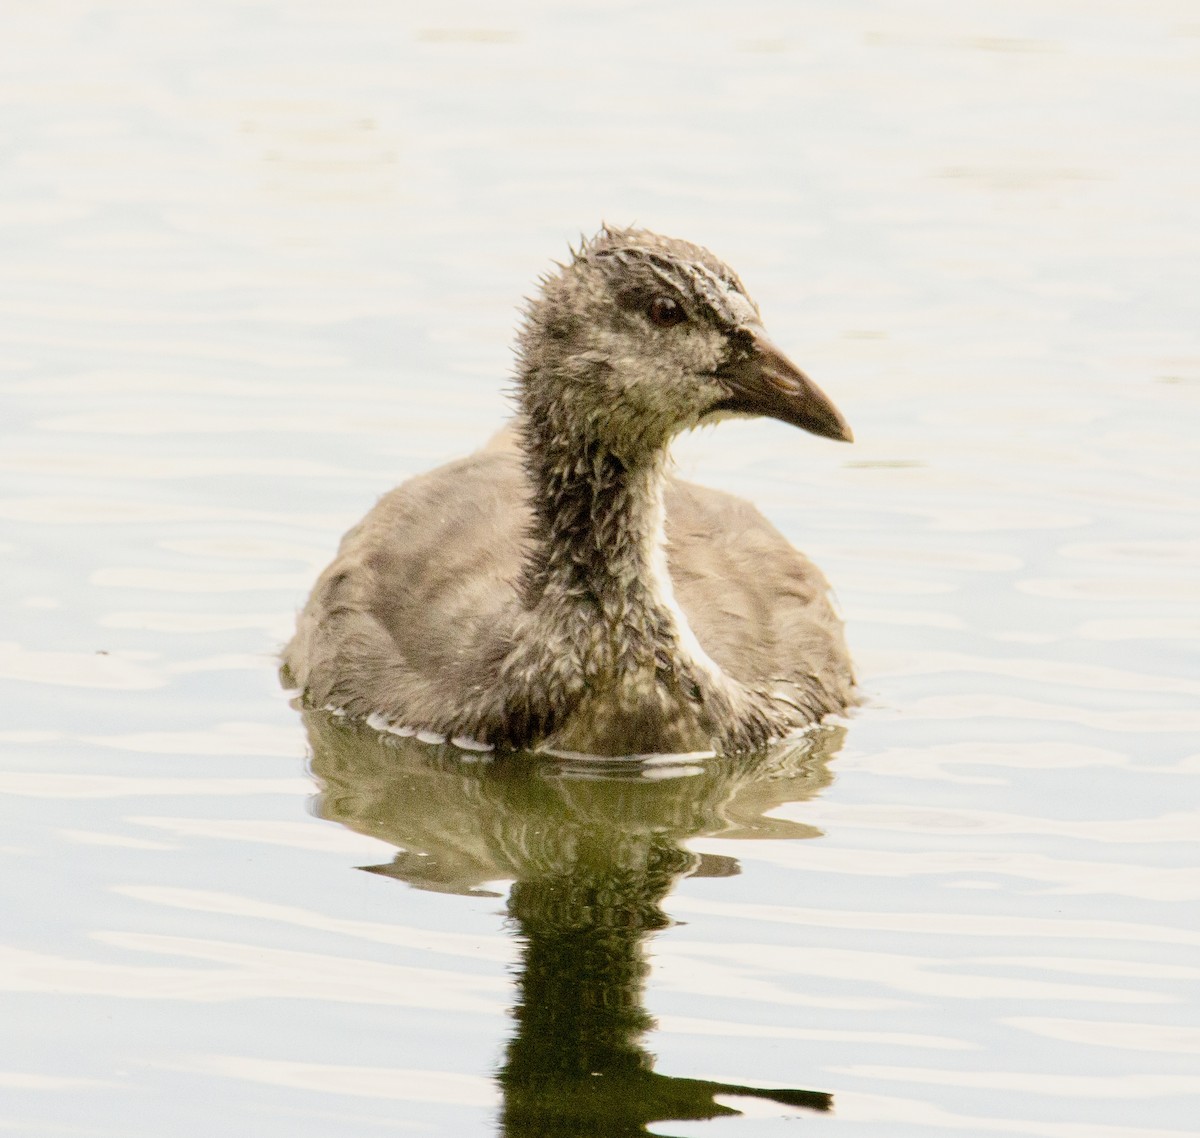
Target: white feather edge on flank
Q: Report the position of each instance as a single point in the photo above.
(377, 721)
(663, 593)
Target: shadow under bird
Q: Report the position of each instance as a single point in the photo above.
(560, 589)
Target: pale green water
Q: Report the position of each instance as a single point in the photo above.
(259, 262)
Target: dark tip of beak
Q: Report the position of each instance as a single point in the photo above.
(761, 380)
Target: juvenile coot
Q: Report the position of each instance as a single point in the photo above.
(559, 589)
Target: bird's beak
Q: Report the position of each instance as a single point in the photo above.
(761, 380)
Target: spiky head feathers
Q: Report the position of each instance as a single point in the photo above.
(623, 344)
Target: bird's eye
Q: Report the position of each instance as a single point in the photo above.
(665, 312)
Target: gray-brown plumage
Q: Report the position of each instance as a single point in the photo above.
(559, 589)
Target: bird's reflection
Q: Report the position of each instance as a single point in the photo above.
(592, 850)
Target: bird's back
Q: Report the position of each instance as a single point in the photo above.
(416, 611)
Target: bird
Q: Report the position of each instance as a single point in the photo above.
(560, 589)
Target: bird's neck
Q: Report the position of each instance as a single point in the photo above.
(607, 661)
(598, 544)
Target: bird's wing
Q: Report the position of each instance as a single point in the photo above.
(757, 605)
(418, 601)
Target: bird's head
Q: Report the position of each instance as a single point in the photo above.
(640, 337)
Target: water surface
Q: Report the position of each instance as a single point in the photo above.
(260, 262)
